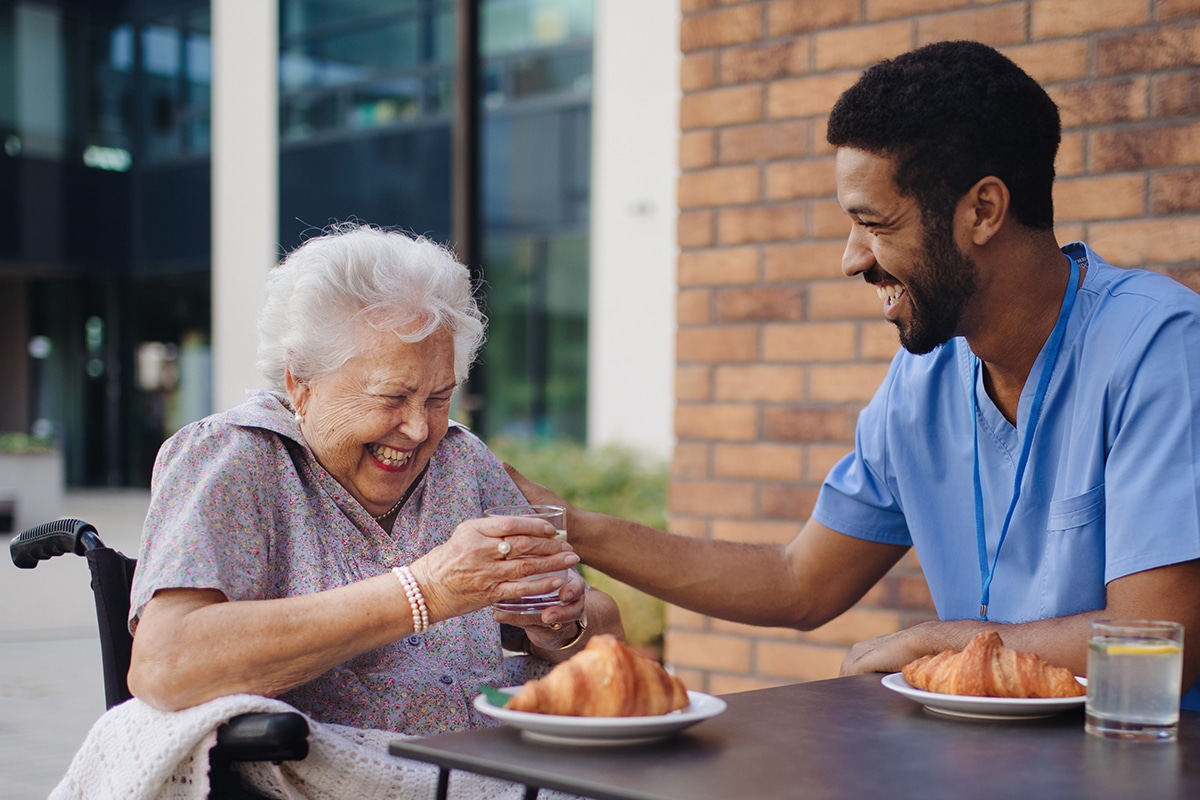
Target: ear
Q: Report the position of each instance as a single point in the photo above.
(298, 390)
(984, 209)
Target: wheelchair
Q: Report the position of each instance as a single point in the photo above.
(275, 737)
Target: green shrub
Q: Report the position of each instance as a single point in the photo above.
(25, 443)
(612, 480)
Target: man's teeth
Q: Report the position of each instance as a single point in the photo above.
(890, 292)
(390, 456)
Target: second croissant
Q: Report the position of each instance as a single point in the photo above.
(986, 668)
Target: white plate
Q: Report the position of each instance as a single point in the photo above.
(594, 731)
(956, 705)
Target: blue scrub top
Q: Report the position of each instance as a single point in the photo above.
(1112, 486)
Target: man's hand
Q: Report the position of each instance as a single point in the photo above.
(887, 653)
(890, 652)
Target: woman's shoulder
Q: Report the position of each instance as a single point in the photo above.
(243, 433)
(461, 443)
(466, 458)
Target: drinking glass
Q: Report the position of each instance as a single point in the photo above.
(556, 516)
(1135, 668)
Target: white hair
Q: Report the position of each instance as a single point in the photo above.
(324, 291)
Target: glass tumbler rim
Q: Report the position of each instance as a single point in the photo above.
(524, 509)
(1136, 623)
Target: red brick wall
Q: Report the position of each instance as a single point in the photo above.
(776, 351)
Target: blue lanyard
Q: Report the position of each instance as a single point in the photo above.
(1054, 344)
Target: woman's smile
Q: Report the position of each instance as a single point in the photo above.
(390, 458)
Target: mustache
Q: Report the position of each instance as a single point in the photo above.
(877, 276)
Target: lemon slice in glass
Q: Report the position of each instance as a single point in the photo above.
(1142, 649)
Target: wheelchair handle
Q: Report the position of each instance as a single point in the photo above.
(51, 539)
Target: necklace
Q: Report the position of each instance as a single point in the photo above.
(386, 514)
(1054, 344)
(407, 493)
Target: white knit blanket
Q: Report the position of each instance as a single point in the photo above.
(135, 752)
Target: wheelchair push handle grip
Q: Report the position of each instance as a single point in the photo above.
(51, 539)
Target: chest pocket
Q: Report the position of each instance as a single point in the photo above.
(1077, 512)
(1073, 576)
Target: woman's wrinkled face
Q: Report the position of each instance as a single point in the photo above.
(374, 424)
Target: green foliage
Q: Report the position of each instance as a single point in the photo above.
(16, 443)
(612, 480)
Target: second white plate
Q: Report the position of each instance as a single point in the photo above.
(593, 731)
(955, 705)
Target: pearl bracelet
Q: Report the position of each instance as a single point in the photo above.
(416, 600)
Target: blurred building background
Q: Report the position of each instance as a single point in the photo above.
(659, 233)
(129, 285)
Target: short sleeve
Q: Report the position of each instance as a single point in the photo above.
(857, 498)
(209, 518)
(1152, 472)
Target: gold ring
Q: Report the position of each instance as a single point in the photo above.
(554, 626)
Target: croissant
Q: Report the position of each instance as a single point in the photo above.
(606, 679)
(986, 668)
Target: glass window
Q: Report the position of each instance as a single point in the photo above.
(8, 73)
(40, 59)
(110, 122)
(509, 26)
(535, 185)
(536, 355)
(198, 70)
(444, 41)
(366, 65)
(536, 168)
(162, 59)
(385, 102)
(304, 16)
(367, 93)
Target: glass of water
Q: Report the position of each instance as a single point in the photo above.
(1135, 668)
(556, 516)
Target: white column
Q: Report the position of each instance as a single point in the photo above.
(635, 100)
(245, 185)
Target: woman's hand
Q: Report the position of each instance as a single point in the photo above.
(560, 631)
(490, 559)
(553, 627)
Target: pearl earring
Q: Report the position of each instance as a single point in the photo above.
(299, 418)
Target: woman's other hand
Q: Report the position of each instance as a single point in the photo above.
(559, 631)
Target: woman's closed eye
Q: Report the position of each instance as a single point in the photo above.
(400, 400)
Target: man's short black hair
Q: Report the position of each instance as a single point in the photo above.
(949, 114)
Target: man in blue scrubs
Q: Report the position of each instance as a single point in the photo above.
(1036, 439)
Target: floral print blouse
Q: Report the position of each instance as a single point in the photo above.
(240, 504)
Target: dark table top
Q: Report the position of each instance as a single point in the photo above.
(841, 738)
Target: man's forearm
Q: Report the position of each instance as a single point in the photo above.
(746, 583)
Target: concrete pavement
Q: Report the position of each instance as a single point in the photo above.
(51, 687)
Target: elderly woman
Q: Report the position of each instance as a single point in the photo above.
(322, 543)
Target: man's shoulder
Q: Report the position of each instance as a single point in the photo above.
(1119, 287)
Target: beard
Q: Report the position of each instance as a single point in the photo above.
(943, 281)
